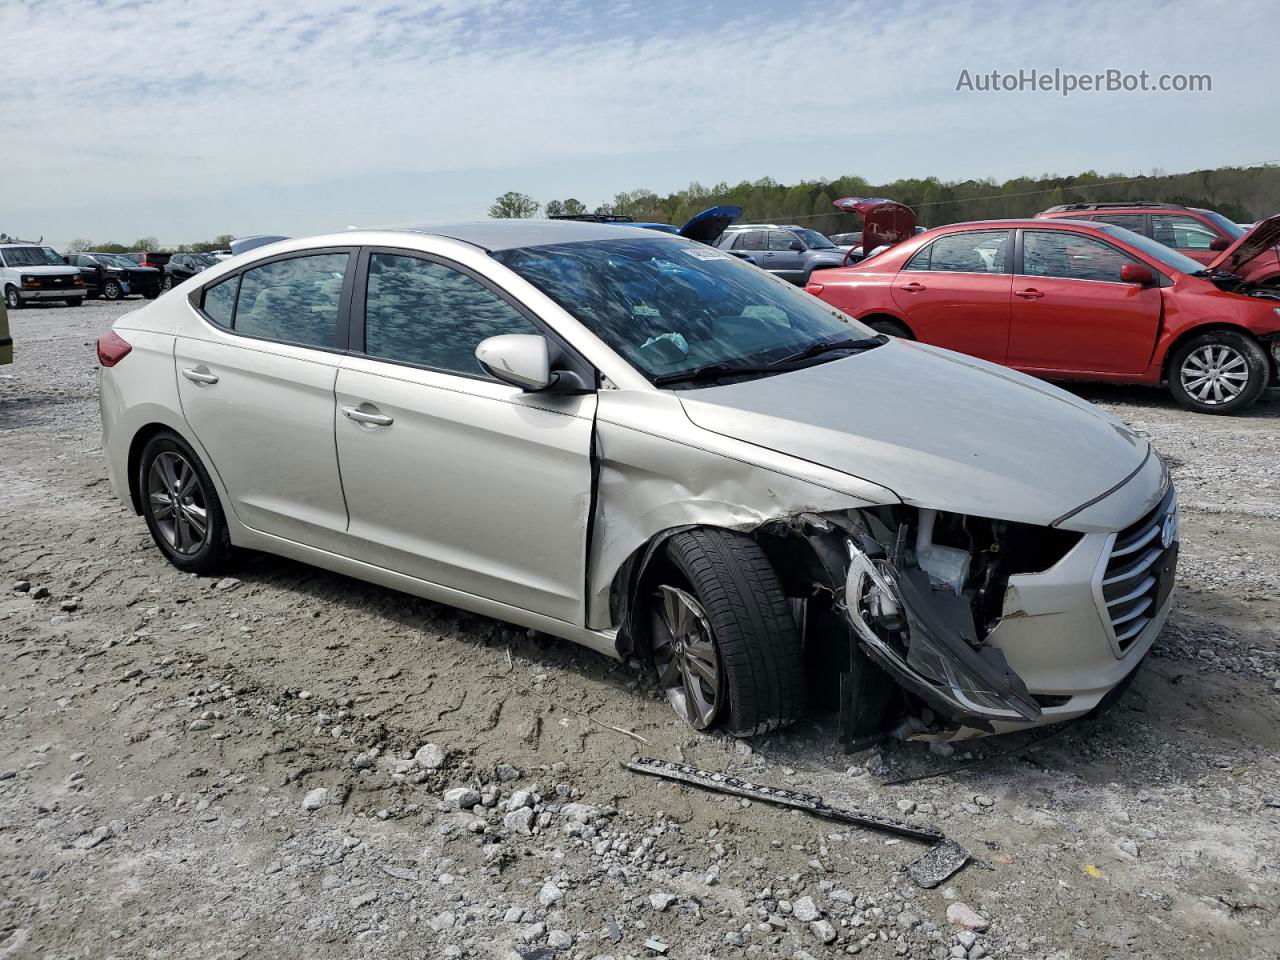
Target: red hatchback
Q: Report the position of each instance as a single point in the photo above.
(1077, 300)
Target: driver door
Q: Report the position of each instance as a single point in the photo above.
(452, 477)
(779, 258)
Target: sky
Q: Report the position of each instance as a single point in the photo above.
(185, 119)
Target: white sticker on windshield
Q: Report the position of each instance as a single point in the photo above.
(706, 253)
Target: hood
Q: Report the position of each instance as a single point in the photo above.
(939, 429)
(884, 222)
(1264, 235)
(706, 227)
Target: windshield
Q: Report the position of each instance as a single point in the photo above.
(1230, 228)
(113, 260)
(1153, 249)
(813, 239)
(670, 308)
(31, 257)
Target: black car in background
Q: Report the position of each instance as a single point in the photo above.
(113, 275)
(184, 266)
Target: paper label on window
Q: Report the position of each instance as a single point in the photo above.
(706, 253)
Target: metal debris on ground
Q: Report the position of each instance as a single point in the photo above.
(941, 861)
(657, 946)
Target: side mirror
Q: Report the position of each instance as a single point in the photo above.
(795, 245)
(520, 359)
(1136, 273)
(1218, 244)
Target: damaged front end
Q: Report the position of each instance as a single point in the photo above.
(920, 593)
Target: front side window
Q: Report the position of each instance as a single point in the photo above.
(294, 300)
(781, 240)
(977, 252)
(425, 313)
(1181, 233)
(1070, 256)
(671, 307)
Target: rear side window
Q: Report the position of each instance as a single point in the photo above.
(1130, 221)
(430, 315)
(980, 252)
(1070, 256)
(220, 301)
(294, 300)
(750, 240)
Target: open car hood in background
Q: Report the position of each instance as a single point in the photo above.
(1264, 235)
(884, 222)
(706, 227)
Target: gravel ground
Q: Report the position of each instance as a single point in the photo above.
(289, 763)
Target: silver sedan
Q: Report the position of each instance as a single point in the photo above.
(646, 446)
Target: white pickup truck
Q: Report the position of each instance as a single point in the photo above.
(30, 271)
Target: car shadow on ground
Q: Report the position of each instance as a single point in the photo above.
(1154, 398)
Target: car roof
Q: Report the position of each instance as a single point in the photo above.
(506, 234)
(765, 226)
(1030, 223)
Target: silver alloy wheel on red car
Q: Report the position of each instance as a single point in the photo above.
(685, 655)
(1214, 373)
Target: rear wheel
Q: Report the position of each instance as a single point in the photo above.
(724, 641)
(168, 282)
(181, 506)
(889, 326)
(1222, 371)
(11, 298)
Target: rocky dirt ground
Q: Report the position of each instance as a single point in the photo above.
(288, 763)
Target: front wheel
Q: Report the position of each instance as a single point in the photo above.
(111, 290)
(168, 283)
(1222, 371)
(181, 506)
(11, 298)
(724, 642)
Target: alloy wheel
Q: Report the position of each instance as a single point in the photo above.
(1214, 374)
(12, 299)
(686, 658)
(177, 503)
(112, 290)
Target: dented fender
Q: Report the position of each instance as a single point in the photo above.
(657, 473)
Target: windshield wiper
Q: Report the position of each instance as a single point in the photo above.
(711, 371)
(830, 346)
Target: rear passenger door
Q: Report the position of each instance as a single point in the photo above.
(955, 292)
(451, 476)
(256, 380)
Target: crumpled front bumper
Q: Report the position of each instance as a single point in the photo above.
(1055, 652)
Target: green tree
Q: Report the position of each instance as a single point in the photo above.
(513, 205)
(75, 246)
(554, 208)
(573, 207)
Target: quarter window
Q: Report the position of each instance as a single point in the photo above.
(220, 301)
(979, 252)
(1181, 233)
(1071, 256)
(425, 313)
(294, 300)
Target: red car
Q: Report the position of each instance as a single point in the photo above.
(1077, 300)
(1200, 234)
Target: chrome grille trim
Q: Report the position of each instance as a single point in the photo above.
(1128, 581)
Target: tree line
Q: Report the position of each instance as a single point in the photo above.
(220, 242)
(1243, 194)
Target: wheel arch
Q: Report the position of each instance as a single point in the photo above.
(886, 315)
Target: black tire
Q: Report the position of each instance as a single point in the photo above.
(11, 298)
(168, 282)
(214, 549)
(889, 326)
(1234, 354)
(759, 648)
(111, 290)
(74, 301)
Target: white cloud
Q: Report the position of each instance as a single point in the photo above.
(122, 104)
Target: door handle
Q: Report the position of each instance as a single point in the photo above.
(912, 287)
(368, 416)
(1031, 293)
(199, 375)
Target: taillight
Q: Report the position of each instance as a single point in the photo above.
(112, 349)
(812, 287)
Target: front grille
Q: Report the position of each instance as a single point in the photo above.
(1139, 574)
(53, 283)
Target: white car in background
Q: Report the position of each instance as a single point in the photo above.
(31, 271)
(646, 446)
